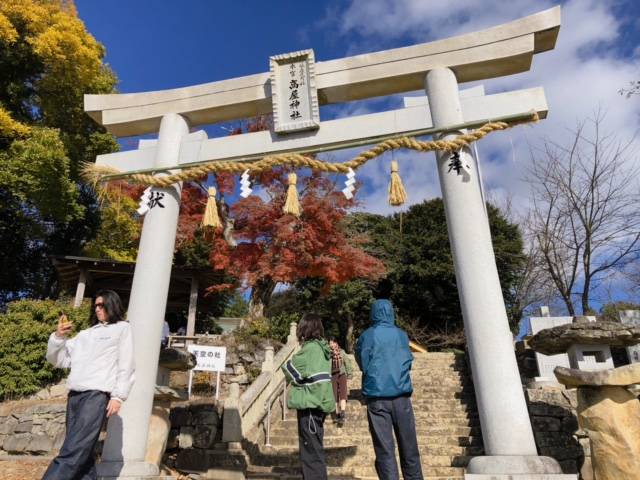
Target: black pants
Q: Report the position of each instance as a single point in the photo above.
(86, 412)
(310, 436)
(388, 416)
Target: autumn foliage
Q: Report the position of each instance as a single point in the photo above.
(277, 248)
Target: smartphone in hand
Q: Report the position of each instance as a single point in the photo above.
(64, 324)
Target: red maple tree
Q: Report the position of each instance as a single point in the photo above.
(274, 247)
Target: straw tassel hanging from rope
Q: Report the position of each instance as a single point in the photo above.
(292, 205)
(211, 218)
(397, 193)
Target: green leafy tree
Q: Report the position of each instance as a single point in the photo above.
(236, 306)
(415, 248)
(609, 311)
(48, 62)
(425, 284)
(119, 232)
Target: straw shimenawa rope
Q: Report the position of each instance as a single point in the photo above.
(292, 205)
(210, 217)
(397, 193)
(95, 173)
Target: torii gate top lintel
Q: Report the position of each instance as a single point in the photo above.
(497, 51)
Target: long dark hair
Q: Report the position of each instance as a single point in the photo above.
(112, 307)
(310, 327)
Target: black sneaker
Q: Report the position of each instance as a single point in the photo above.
(340, 419)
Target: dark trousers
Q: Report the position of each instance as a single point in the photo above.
(86, 412)
(310, 437)
(388, 416)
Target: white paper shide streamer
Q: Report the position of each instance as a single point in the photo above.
(245, 184)
(350, 184)
(143, 206)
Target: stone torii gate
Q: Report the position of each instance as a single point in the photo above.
(436, 66)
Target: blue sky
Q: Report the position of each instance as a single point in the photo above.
(153, 45)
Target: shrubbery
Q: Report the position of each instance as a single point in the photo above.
(275, 328)
(24, 331)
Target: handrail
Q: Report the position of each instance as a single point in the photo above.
(243, 413)
(282, 386)
(264, 379)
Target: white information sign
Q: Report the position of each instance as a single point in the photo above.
(208, 359)
(293, 92)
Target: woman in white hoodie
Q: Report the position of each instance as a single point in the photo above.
(102, 368)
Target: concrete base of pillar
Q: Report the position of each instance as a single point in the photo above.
(128, 470)
(224, 474)
(496, 466)
(524, 476)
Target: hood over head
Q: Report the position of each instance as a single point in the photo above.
(382, 313)
(326, 348)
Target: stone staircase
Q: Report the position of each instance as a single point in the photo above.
(446, 420)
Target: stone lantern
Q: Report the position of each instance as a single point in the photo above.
(607, 405)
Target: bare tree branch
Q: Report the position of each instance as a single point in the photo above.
(585, 218)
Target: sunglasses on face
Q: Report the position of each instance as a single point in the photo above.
(99, 305)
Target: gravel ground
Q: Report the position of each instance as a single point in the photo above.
(32, 468)
(23, 468)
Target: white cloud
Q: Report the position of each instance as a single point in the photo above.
(583, 73)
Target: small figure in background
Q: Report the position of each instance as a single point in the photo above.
(165, 334)
(340, 373)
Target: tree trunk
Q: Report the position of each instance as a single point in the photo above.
(260, 298)
(256, 308)
(570, 309)
(349, 337)
(586, 308)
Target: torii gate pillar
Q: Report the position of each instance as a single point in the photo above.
(124, 451)
(506, 430)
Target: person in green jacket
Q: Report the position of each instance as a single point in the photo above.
(311, 394)
(340, 373)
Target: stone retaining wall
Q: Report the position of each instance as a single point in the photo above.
(555, 426)
(34, 428)
(38, 428)
(194, 426)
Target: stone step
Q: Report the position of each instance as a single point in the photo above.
(338, 473)
(364, 449)
(448, 392)
(347, 438)
(423, 419)
(433, 368)
(423, 427)
(359, 416)
(447, 427)
(298, 476)
(431, 403)
(436, 372)
(362, 459)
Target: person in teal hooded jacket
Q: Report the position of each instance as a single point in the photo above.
(383, 354)
(311, 394)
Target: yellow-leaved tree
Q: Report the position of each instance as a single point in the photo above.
(48, 61)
